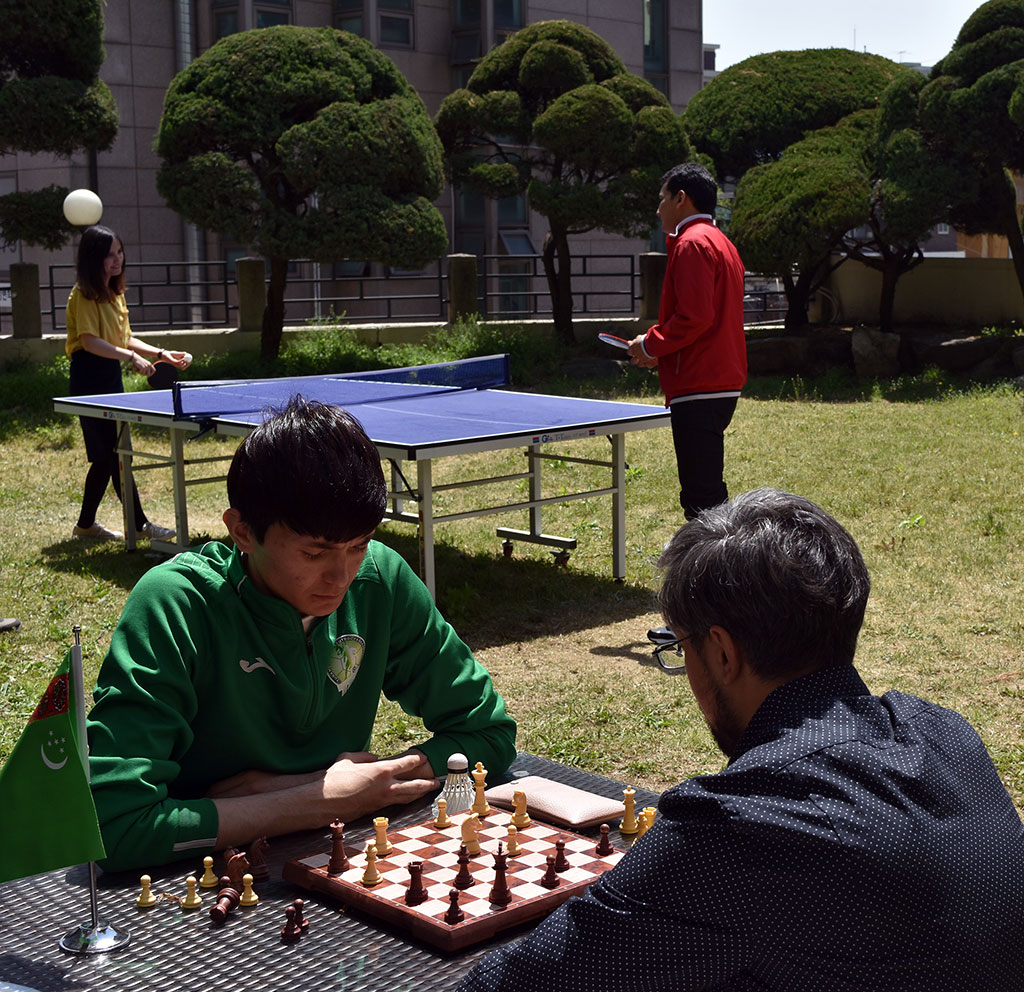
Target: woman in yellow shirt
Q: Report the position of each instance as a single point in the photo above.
(99, 339)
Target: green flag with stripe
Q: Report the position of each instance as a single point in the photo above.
(47, 816)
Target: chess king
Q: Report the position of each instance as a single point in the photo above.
(240, 689)
(854, 843)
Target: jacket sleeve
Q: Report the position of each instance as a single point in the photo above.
(432, 674)
(140, 724)
(693, 271)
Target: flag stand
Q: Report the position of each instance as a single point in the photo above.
(94, 937)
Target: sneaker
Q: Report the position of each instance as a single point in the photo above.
(155, 532)
(97, 532)
(8, 625)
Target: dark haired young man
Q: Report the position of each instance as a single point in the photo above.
(241, 686)
(854, 843)
(698, 344)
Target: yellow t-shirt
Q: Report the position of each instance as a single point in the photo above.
(106, 320)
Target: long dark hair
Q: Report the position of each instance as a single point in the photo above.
(92, 253)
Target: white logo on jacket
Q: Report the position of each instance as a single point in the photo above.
(250, 666)
(348, 656)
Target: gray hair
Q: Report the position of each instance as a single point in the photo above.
(781, 575)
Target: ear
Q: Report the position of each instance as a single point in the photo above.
(724, 652)
(240, 531)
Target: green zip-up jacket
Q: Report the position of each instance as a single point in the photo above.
(207, 677)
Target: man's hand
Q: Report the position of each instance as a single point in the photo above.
(256, 803)
(636, 352)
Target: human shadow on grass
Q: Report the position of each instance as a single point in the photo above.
(489, 599)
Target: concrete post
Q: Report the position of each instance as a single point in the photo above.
(25, 316)
(461, 287)
(251, 274)
(652, 275)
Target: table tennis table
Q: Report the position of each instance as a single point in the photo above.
(415, 414)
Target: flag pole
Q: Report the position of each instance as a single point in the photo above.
(95, 937)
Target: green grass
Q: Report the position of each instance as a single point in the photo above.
(925, 473)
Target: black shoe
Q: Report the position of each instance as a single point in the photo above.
(660, 635)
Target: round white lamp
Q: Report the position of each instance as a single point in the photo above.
(83, 207)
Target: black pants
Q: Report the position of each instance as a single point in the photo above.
(698, 431)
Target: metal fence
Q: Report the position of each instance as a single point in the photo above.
(170, 295)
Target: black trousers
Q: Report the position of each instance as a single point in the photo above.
(698, 432)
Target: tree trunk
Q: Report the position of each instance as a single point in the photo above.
(891, 272)
(559, 279)
(273, 314)
(1013, 235)
(798, 296)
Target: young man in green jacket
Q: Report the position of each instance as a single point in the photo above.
(239, 693)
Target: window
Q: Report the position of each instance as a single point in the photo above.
(270, 13)
(655, 53)
(467, 13)
(348, 16)
(512, 211)
(508, 14)
(709, 60)
(225, 19)
(395, 22)
(349, 269)
(942, 229)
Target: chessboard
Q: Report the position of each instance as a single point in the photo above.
(438, 850)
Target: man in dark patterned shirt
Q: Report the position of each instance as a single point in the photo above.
(853, 842)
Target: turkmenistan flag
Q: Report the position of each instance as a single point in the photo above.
(47, 816)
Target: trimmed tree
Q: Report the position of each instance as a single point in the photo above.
(302, 143)
(790, 216)
(971, 116)
(51, 100)
(553, 112)
(750, 113)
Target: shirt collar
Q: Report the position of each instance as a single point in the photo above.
(690, 220)
(791, 704)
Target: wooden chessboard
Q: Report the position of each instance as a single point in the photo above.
(439, 850)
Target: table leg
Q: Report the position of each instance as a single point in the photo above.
(124, 467)
(532, 455)
(618, 505)
(424, 487)
(178, 479)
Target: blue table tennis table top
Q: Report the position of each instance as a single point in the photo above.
(407, 412)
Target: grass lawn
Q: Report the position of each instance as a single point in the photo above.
(924, 473)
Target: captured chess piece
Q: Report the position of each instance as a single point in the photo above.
(192, 900)
(604, 845)
(236, 865)
(227, 900)
(339, 859)
(248, 898)
(301, 920)
(208, 879)
(290, 932)
(416, 893)
(258, 859)
(629, 824)
(146, 899)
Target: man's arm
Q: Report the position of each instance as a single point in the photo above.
(258, 804)
(693, 272)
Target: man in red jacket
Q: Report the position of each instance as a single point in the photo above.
(698, 344)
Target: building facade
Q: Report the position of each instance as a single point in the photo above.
(433, 42)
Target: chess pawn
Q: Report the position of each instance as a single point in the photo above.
(441, 818)
(192, 898)
(512, 845)
(458, 790)
(146, 898)
(646, 820)
(208, 880)
(248, 897)
(227, 900)
(453, 914)
(604, 845)
(290, 932)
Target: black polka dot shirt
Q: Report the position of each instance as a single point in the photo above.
(854, 842)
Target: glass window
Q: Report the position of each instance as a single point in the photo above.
(353, 24)
(467, 13)
(395, 5)
(470, 206)
(396, 30)
(225, 22)
(460, 77)
(517, 243)
(465, 48)
(271, 18)
(349, 269)
(512, 210)
(654, 36)
(508, 13)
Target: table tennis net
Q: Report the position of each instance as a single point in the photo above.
(207, 399)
